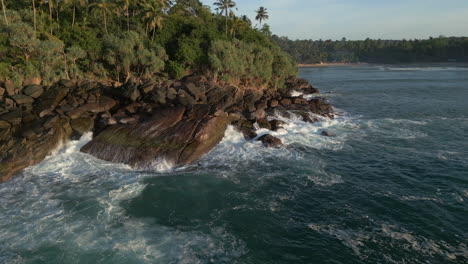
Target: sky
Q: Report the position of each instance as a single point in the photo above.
(360, 19)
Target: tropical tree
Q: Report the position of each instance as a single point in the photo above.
(4, 13)
(152, 16)
(103, 9)
(34, 14)
(262, 15)
(226, 7)
(75, 4)
(125, 4)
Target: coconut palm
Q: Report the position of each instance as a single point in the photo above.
(103, 9)
(75, 4)
(34, 15)
(125, 4)
(152, 15)
(262, 15)
(226, 7)
(4, 12)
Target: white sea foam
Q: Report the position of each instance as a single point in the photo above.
(362, 240)
(424, 68)
(396, 128)
(73, 201)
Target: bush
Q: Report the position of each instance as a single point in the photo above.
(175, 70)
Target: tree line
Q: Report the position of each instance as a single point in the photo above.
(145, 39)
(440, 49)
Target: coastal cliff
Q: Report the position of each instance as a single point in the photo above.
(140, 123)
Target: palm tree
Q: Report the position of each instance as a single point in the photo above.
(34, 14)
(104, 9)
(226, 6)
(152, 15)
(262, 15)
(4, 13)
(125, 4)
(75, 3)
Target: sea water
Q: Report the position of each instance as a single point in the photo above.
(391, 186)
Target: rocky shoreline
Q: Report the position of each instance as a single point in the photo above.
(141, 123)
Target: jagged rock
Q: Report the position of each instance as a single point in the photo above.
(4, 124)
(300, 101)
(285, 102)
(147, 88)
(10, 88)
(32, 81)
(105, 104)
(2, 91)
(81, 126)
(25, 153)
(259, 114)
(185, 98)
(14, 117)
(66, 83)
(131, 92)
(273, 103)
(270, 141)
(248, 133)
(49, 100)
(263, 123)
(22, 99)
(159, 96)
(9, 103)
(222, 98)
(33, 90)
(221, 113)
(326, 134)
(128, 120)
(311, 90)
(276, 124)
(261, 106)
(171, 94)
(198, 92)
(168, 135)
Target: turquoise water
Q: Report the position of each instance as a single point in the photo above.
(390, 187)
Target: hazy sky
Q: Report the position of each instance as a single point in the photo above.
(359, 19)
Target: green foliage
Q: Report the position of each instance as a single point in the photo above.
(250, 63)
(147, 39)
(175, 70)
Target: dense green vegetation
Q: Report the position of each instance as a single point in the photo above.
(145, 39)
(441, 49)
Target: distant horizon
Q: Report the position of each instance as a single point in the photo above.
(360, 19)
(412, 39)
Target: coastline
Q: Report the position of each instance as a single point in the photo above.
(329, 64)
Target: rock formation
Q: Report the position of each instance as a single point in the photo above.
(138, 123)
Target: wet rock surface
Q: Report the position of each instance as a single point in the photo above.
(140, 123)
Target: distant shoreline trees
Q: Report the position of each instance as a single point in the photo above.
(441, 49)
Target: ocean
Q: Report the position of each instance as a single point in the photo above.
(391, 186)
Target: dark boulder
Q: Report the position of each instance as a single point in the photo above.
(81, 126)
(263, 123)
(270, 141)
(22, 99)
(24, 153)
(171, 134)
(50, 99)
(277, 124)
(10, 88)
(185, 98)
(326, 134)
(14, 117)
(33, 90)
(285, 102)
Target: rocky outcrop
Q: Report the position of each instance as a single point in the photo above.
(140, 123)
